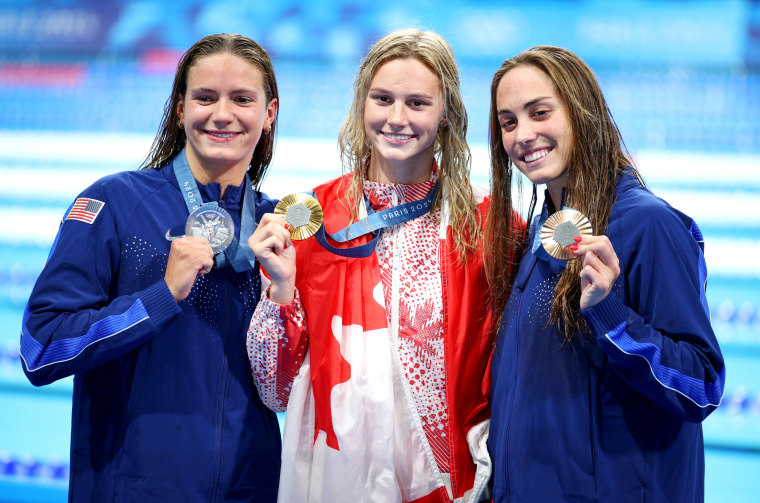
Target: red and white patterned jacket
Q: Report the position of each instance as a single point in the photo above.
(382, 362)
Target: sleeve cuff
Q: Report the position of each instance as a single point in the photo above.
(283, 311)
(160, 304)
(606, 315)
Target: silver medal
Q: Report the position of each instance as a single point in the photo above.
(212, 223)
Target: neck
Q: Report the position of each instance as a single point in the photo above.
(223, 175)
(405, 173)
(555, 188)
(556, 196)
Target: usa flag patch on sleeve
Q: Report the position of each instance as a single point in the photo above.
(85, 210)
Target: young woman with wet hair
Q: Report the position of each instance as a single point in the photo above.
(143, 304)
(381, 358)
(605, 361)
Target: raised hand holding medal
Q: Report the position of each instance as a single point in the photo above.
(600, 268)
(567, 235)
(296, 217)
(189, 258)
(272, 245)
(210, 221)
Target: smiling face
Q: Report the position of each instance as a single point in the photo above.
(224, 111)
(402, 113)
(535, 127)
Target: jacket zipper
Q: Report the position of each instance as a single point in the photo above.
(219, 421)
(222, 386)
(512, 397)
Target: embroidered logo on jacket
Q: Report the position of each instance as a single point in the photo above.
(85, 210)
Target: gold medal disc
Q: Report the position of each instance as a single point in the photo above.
(302, 212)
(559, 231)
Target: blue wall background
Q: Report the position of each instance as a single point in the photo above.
(83, 84)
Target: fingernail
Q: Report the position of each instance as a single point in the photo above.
(577, 239)
(573, 247)
(287, 227)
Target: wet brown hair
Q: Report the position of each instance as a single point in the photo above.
(597, 157)
(171, 139)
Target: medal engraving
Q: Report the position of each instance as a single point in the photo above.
(302, 212)
(212, 223)
(298, 215)
(564, 233)
(560, 230)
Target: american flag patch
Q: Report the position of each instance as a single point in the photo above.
(85, 210)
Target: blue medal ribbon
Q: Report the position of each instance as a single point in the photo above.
(373, 223)
(237, 254)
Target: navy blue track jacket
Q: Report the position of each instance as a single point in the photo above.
(164, 406)
(616, 417)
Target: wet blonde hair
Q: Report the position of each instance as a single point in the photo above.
(450, 147)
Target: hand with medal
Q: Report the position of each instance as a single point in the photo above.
(600, 268)
(189, 258)
(275, 252)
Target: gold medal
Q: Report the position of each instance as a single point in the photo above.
(303, 214)
(560, 230)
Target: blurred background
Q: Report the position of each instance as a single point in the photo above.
(83, 85)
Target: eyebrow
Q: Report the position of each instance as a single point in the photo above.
(234, 91)
(527, 105)
(413, 95)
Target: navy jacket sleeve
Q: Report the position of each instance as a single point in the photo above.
(656, 329)
(74, 321)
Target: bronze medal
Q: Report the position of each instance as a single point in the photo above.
(560, 230)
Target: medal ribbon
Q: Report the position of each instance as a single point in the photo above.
(372, 223)
(237, 254)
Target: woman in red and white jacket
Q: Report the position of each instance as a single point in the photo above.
(382, 360)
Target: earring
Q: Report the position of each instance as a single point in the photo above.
(181, 126)
(268, 129)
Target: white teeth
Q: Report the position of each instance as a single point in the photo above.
(398, 136)
(222, 135)
(535, 155)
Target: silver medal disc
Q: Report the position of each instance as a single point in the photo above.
(212, 223)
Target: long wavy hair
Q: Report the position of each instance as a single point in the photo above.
(450, 147)
(597, 157)
(171, 139)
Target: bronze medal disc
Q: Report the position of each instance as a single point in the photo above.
(559, 231)
(302, 212)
